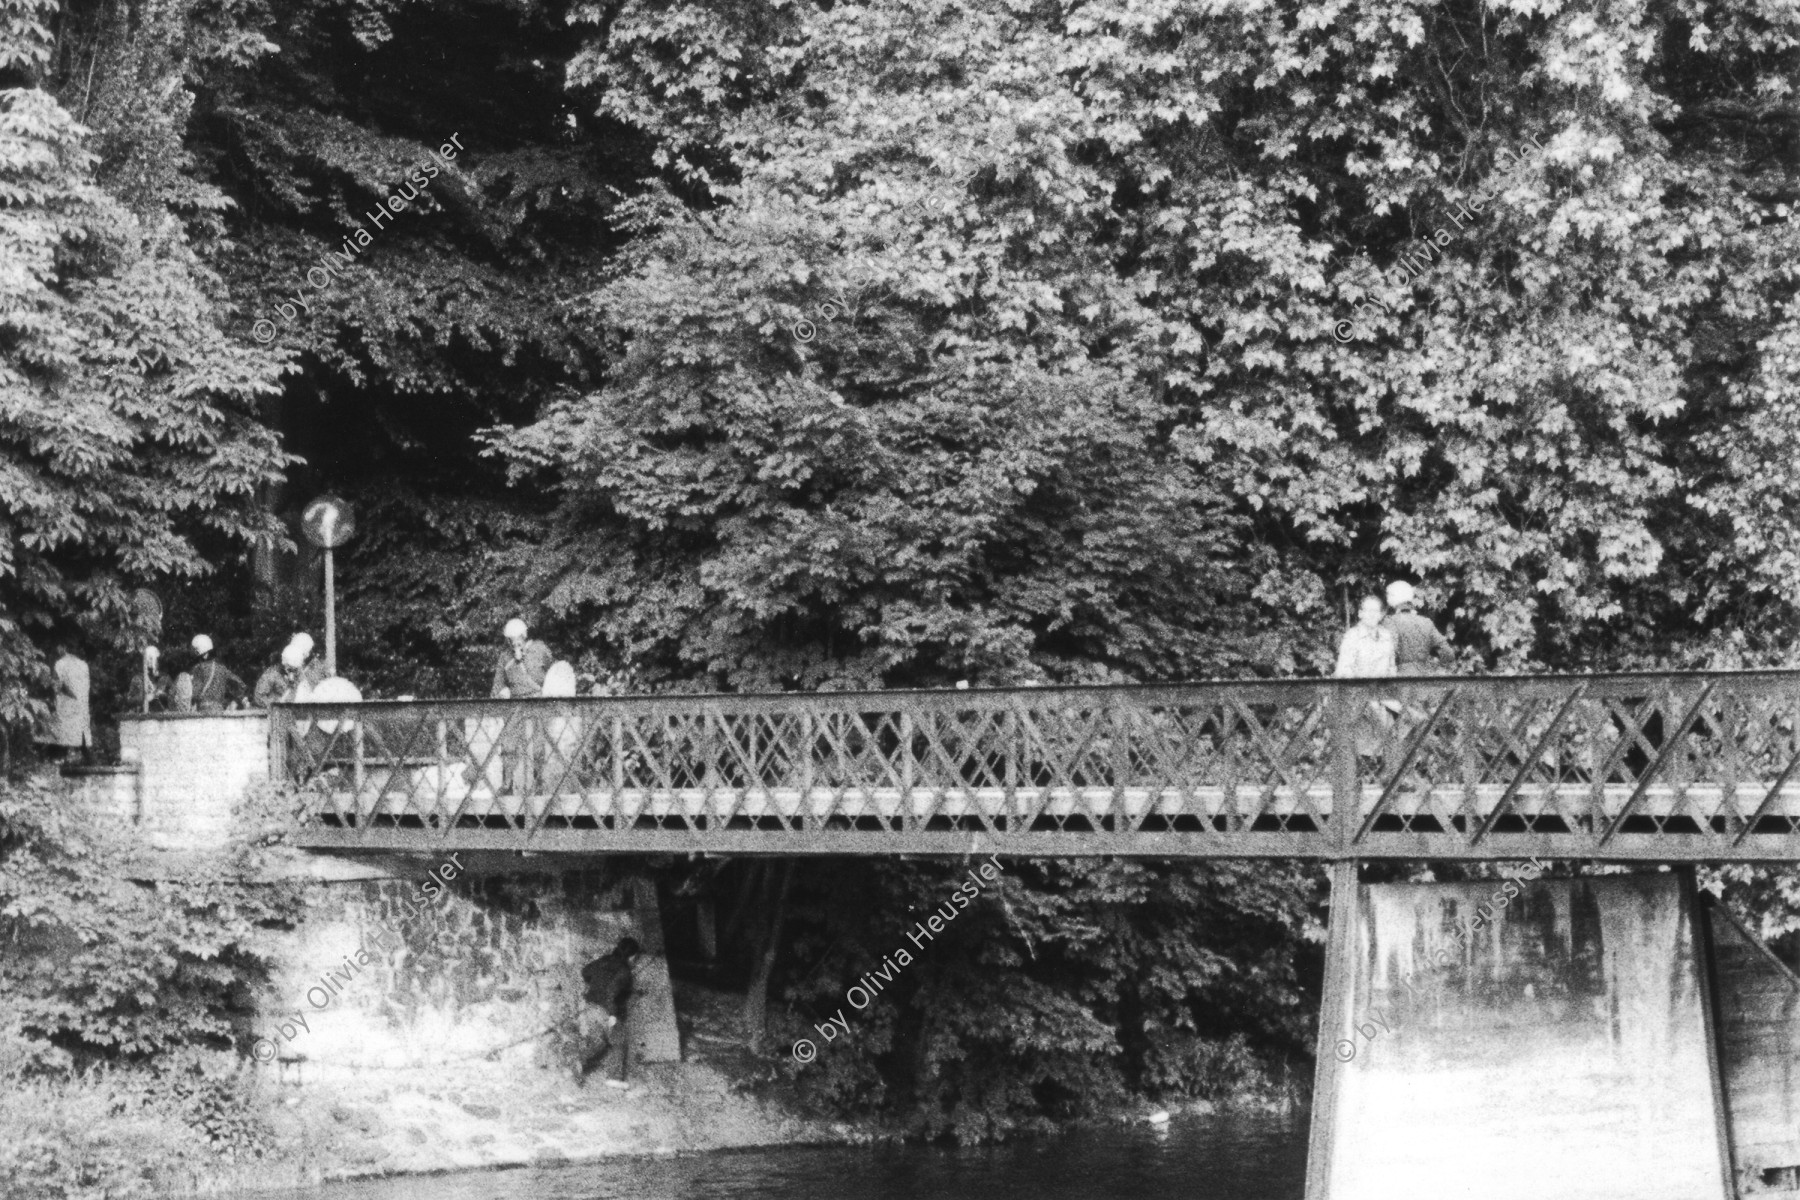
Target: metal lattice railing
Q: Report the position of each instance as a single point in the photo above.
(1677, 767)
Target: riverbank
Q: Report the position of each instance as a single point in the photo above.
(1227, 1157)
(223, 1126)
(227, 1127)
(107, 1138)
(487, 1116)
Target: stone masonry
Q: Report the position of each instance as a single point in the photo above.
(194, 768)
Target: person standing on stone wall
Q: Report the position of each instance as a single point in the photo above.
(1418, 646)
(216, 687)
(150, 686)
(70, 730)
(181, 692)
(607, 985)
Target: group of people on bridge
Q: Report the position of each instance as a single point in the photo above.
(1397, 642)
(208, 685)
(1388, 639)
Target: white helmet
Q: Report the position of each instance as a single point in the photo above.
(294, 657)
(201, 644)
(151, 654)
(515, 628)
(1399, 592)
(304, 641)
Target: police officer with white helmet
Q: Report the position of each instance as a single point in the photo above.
(1418, 646)
(523, 662)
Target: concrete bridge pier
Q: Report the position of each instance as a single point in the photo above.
(1553, 1038)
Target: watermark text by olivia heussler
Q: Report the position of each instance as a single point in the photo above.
(872, 983)
(1417, 260)
(385, 940)
(1463, 934)
(332, 263)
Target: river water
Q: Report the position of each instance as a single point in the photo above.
(1193, 1158)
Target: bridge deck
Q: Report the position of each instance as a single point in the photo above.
(1680, 767)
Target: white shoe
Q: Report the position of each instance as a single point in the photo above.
(618, 1083)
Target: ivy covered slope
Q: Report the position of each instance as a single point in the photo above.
(431, 323)
(115, 968)
(123, 1002)
(1081, 405)
(130, 449)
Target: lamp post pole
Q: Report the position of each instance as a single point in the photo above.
(328, 523)
(330, 615)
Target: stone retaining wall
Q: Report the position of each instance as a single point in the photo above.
(382, 976)
(193, 770)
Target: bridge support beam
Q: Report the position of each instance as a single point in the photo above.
(1548, 1038)
(1340, 963)
(654, 1034)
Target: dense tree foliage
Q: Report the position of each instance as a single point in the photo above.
(129, 438)
(1561, 415)
(449, 317)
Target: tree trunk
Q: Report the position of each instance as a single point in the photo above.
(706, 917)
(756, 1001)
(754, 874)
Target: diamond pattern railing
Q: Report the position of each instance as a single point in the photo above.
(1682, 767)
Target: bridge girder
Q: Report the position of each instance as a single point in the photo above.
(1652, 767)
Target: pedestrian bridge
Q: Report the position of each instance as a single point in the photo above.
(1663, 767)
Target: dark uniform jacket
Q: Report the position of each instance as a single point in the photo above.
(215, 687)
(273, 686)
(1417, 643)
(607, 982)
(523, 675)
(278, 684)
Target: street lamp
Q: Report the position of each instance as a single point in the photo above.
(328, 523)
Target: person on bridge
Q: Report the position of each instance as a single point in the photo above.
(1418, 646)
(296, 675)
(607, 984)
(1367, 650)
(519, 671)
(216, 687)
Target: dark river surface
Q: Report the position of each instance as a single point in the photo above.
(1196, 1158)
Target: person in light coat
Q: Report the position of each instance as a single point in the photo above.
(1367, 652)
(71, 729)
(150, 688)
